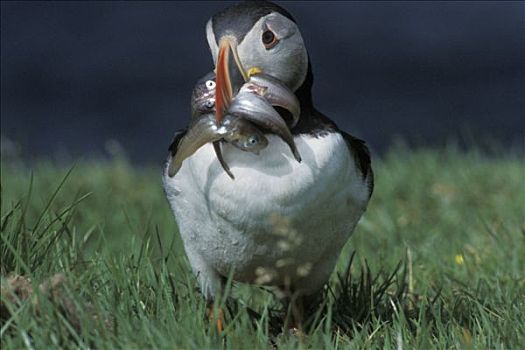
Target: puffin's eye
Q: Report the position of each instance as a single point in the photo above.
(210, 84)
(269, 39)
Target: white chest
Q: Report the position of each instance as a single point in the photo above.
(277, 213)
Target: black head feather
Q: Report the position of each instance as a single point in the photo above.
(237, 20)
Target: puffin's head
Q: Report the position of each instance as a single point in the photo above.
(255, 37)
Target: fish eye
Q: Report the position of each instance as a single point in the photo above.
(253, 140)
(210, 84)
(269, 39)
(210, 103)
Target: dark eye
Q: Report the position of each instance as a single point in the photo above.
(253, 140)
(268, 38)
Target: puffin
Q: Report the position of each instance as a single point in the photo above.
(281, 222)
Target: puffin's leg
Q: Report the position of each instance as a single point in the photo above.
(211, 285)
(219, 319)
(296, 311)
(300, 308)
(293, 306)
(310, 303)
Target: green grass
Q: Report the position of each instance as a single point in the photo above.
(455, 221)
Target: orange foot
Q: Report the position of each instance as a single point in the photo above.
(219, 322)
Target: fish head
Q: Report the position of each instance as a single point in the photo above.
(244, 135)
(203, 96)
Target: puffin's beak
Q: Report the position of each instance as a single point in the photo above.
(230, 75)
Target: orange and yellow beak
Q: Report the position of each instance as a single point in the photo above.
(230, 75)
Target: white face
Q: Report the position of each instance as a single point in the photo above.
(284, 58)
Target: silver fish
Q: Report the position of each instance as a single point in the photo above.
(272, 89)
(260, 87)
(204, 129)
(257, 109)
(252, 105)
(243, 134)
(275, 92)
(203, 96)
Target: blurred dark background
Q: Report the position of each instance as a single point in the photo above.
(78, 76)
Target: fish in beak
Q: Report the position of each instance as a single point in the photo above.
(240, 98)
(275, 92)
(231, 77)
(236, 130)
(258, 110)
(202, 131)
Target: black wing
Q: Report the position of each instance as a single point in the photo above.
(179, 134)
(315, 123)
(361, 155)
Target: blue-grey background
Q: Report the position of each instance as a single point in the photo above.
(77, 74)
